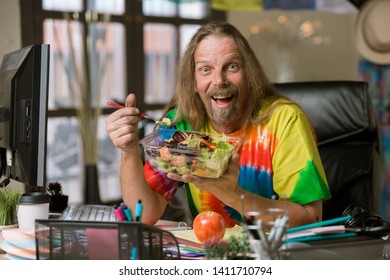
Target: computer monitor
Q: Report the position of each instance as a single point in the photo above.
(24, 76)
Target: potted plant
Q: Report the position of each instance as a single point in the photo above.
(58, 200)
(235, 248)
(9, 200)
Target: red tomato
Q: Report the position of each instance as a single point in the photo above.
(209, 227)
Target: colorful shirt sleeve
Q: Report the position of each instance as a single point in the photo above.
(297, 169)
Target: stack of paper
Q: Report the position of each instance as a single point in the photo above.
(191, 247)
(19, 244)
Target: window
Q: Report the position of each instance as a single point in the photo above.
(133, 46)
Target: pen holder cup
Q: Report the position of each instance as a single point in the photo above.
(267, 230)
(76, 240)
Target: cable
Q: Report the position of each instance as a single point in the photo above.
(366, 220)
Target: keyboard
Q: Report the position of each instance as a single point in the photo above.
(89, 212)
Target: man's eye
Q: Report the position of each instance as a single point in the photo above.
(204, 69)
(233, 66)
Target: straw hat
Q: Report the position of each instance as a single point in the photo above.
(373, 31)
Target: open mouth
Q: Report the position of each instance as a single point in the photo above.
(222, 100)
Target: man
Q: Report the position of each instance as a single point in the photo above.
(221, 87)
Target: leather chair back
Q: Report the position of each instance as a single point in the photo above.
(348, 135)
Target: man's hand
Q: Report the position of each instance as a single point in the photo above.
(122, 125)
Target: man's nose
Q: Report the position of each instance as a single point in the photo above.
(220, 79)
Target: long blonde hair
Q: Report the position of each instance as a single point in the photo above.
(187, 101)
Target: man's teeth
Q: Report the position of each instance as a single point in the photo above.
(221, 97)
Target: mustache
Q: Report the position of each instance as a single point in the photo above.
(222, 92)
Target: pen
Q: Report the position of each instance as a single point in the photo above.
(134, 253)
(138, 210)
(320, 224)
(119, 106)
(128, 214)
(119, 214)
(116, 105)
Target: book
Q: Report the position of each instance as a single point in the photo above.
(188, 237)
(191, 247)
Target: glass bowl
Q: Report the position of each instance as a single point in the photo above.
(190, 152)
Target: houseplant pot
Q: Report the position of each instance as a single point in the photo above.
(9, 200)
(58, 200)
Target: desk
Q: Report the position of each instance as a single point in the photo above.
(353, 248)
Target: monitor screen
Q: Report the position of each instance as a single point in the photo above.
(24, 76)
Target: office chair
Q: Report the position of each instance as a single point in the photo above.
(348, 136)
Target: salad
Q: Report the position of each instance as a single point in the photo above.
(167, 122)
(183, 152)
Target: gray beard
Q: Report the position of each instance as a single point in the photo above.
(222, 117)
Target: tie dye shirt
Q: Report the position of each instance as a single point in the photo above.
(279, 159)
